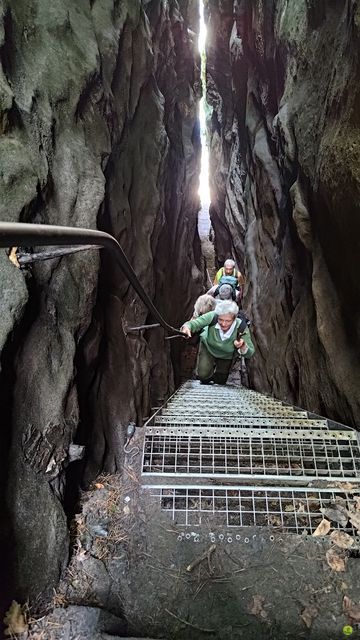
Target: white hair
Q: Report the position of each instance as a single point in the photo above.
(225, 292)
(203, 304)
(229, 263)
(227, 307)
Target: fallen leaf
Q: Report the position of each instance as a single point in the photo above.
(126, 509)
(338, 513)
(81, 556)
(342, 539)
(301, 508)
(310, 612)
(99, 485)
(357, 502)
(257, 608)
(15, 620)
(323, 528)
(345, 486)
(289, 507)
(351, 609)
(13, 257)
(335, 562)
(354, 517)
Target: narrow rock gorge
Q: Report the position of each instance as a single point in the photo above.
(99, 129)
(283, 86)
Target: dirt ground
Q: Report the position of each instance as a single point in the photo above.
(166, 581)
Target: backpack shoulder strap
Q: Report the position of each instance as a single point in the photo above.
(214, 320)
(243, 325)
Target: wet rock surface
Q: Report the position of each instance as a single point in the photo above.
(98, 120)
(284, 132)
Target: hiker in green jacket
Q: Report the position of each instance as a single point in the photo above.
(222, 336)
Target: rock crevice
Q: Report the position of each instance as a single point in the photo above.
(284, 131)
(98, 105)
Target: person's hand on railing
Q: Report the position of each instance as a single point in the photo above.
(184, 329)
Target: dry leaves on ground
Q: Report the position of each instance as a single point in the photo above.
(323, 528)
(301, 508)
(14, 620)
(345, 486)
(337, 513)
(274, 520)
(341, 539)
(257, 608)
(310, 612)
(334, 560)
(351, 609)
(354, 517)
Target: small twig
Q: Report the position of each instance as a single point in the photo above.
(205, 556)
(189, 624)
(200, 588)
(239, 570)
(209, 554)
(232, 559)
(131, 473)
(143, 326)
(169, 530)
(221, 580)
(166, 573)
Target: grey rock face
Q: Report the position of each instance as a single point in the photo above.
(98, 115)
(284, 132)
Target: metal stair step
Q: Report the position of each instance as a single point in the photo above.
(282, 423)
(287, 510)
(297, 454)
(227, 455)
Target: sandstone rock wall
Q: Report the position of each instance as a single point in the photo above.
(283, 84)
(98, 108)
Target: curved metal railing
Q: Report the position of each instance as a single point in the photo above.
(22, 234)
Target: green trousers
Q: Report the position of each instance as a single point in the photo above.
(210, 368)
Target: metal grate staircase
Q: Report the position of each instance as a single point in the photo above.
(240, 458)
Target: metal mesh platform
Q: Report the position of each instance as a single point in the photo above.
(224, 435)
(295, 510)
(242, 452)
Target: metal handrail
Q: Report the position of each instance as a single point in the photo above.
(20, 234)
